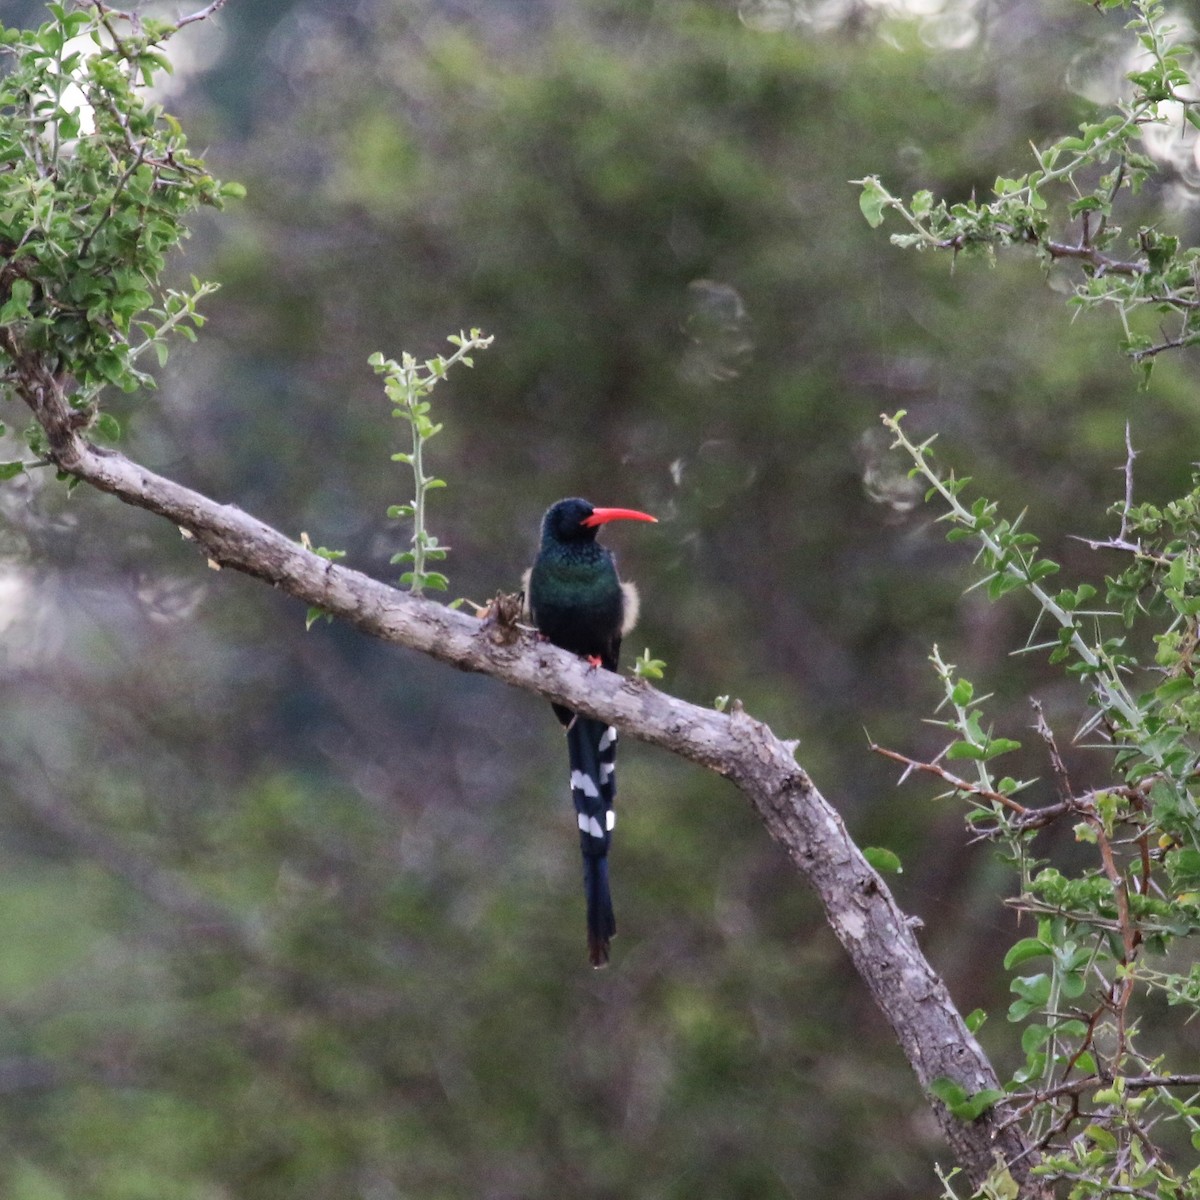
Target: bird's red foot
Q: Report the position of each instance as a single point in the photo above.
(594, 662)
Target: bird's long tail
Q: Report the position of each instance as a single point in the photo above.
(592, 746)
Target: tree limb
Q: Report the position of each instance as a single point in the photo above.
(876, 934)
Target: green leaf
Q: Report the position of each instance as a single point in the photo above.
(975, 1019)
(883, 860)
(998, 746)
(1183, 867)
(947, 1091)
(1003, 583)
(976, 1105)
(315, 614)
(873, 200)
(1104, 1138)
(966, 750)
(1073, 984)
(955, 1098)
(10, 470)
(1023, 951)
(1176, 575)
(107, 426)
(1033, 992)
(16, 307)
(1034, 1037)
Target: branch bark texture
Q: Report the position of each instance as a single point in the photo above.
(876, 934)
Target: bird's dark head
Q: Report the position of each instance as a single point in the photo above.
(576, 520)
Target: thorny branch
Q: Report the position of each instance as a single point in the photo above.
(1076, 1087)
(1121, 541)
(1116, 992)
(955, 781)
(1061, 779)
(1102, 262)
(134, 18)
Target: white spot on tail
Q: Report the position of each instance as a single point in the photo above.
(585, 784)
(591, 826)
(607, 739)
(606, 771)
(610, 819)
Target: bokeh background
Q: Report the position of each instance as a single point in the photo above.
(292, 914)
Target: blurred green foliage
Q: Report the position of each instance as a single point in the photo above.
(95, 191)
(307, 916)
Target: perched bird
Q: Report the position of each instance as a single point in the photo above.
(578, 602)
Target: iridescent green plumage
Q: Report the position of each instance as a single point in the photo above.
(578, 602)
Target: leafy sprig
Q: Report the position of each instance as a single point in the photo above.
(1079, 180)
(96, 183)
(407, 384)
(645, 667)
(1011, 561)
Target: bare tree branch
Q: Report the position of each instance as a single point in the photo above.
(203, 14)
(876, 934)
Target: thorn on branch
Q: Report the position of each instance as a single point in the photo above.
(1121, 541)
(1061, 779)
(1130, 455)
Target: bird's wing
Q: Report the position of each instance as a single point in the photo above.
(526, 611)
(633, 604)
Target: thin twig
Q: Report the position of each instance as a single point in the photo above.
(1061, 779)
(1130, 455)
(202, 15)
(955, 781)
(1093, 257)
(1168, 343)
(1076, 1087)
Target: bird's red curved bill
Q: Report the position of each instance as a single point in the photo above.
(601, 516)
